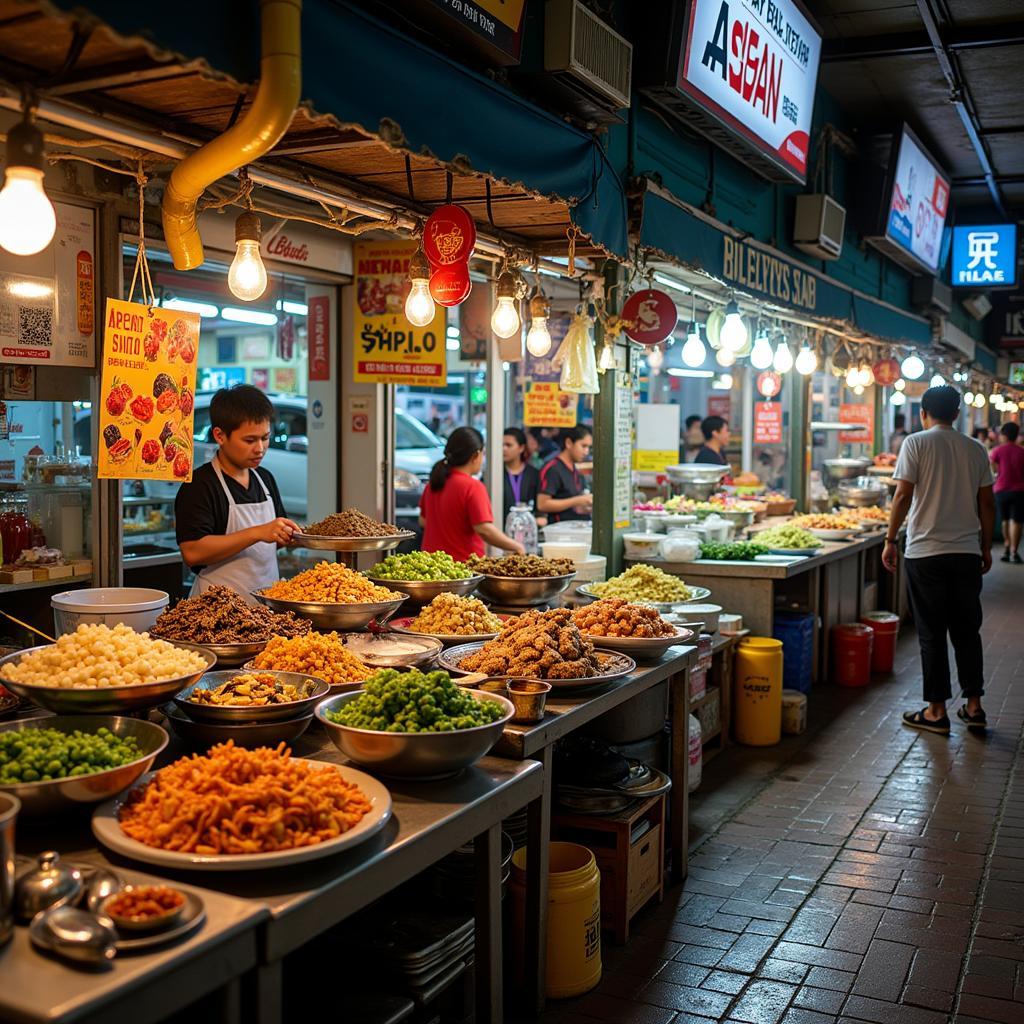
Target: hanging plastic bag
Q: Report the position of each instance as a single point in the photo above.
(577, 358)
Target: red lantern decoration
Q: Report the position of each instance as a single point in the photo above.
(769, 383)
(886, 372)
(653, 315)
(449, 236)
(450, 285)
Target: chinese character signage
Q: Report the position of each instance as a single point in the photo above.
(984, 256)
(918, 204)
(388, 349)
(546, 405)
(146, 394)
(754, 66)
(767, 423)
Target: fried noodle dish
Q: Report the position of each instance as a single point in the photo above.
(237, 801)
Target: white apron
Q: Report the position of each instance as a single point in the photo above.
(254, 567)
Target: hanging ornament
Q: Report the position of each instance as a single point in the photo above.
(450, 285)
(769, 383)
(841, 359)
(694, 353)
(886, 372)
(652, 316)
(449, 235)
(713, 328)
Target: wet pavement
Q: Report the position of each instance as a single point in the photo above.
(861, 872)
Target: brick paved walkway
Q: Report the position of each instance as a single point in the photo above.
(862, 872)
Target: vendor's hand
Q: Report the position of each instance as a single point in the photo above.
(517, 548)
(986, 561)
(277, 531)
(890, 556)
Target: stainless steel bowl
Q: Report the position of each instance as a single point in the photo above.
(414, 755)
(315, 543)
(339, 617)
(697, 490)
(106, 700)
(697, 594)
(81, 790)
(843, 469)
(247, 734)
(737, 516)
(696, 472)
(524, 590)
(424, 591)
(232, 715)
(388, 650)
(861, 491)
(228, 655)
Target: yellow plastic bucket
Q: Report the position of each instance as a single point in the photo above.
(757, 707)
(574, 919)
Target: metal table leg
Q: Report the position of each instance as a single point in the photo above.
(538, 842)
(679, 795)
(269, 991)
(487, 850)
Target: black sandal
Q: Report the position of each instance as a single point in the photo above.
(916, 720)
(975, 723)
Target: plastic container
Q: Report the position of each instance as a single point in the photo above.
(852, 643)
(680, 546)
(757, 714)
(520, 525)
(642, 545)
(696, 753)
(574, 919)
(137, 607)
(577, 550)
(794, 712)
(573, 530)
(886, 629)
(730, 623)
(797, 635)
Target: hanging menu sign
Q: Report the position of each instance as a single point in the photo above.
(545, 404)
(147, 392)
(861, 415)
(767, 423)
(388, 349)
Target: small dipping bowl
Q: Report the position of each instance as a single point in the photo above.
(142, 924)
(528, 697)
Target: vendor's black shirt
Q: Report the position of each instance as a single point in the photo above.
(528, 487)
(710, 457)
(201, 507)
(558, 481)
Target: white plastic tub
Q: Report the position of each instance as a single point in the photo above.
(576, 531)
(137, 607)
(643, 545)
(576, 550)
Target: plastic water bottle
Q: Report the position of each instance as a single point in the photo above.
(521, 526)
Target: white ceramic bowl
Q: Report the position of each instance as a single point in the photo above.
(576, 550)
(706, 613)
(137, 607)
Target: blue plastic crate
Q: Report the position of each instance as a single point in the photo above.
(797, 635)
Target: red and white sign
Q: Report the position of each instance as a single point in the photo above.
(719, 405)
(449, 236)
(769, 383)
(652, 314)
(319, 326)
(767, 423)
(886, 372)
(261, 379)
(754, 65)
(853, 412)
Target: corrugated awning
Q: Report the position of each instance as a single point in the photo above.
(675, 232)
(382, 113)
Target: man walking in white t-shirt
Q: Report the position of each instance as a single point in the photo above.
(945, 483)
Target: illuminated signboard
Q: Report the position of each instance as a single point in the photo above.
(984, 256)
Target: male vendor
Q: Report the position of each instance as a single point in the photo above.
(230, 519)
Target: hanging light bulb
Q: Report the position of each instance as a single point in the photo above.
(694, 352)
(783, 360)
(247, 277)
(867, 378)
(419, 304)
(724, 382)
(734, 331)
(656, 358)
(899, 384)
(937, 381)
(806, 360)
(725, 356)
(761, 353)
(27, 218)
(607, 360)
(969, 398)
(538, 339)
(912, 367)
(898, 398)
(979, 401)
(859, 389)
(852, 378)
(505, 320)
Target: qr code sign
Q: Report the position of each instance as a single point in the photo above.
(35, 326)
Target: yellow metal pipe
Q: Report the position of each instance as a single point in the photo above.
(259, 130)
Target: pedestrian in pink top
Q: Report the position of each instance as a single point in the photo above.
(1008, 460)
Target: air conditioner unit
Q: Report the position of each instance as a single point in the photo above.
(581, 48)
(978, 305)
(818, 226)
(928, 293)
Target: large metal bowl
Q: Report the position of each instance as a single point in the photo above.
(38, 798)
(424, 591)
(317, 543)
(737, 516)
(414, 755)
(696, 473)
(523, 590)
(341, 617)
(697, 490)
(246, 734)
(843, 469)
(228, 655)
(227, 714)
(861, 492)
(105, 700)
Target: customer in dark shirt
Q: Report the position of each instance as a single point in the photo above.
(563, 495)
(716, 437)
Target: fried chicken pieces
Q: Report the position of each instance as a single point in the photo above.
(615, 617)
(537, 645)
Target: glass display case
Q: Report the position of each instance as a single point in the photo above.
(147, 527)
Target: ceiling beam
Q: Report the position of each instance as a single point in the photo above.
(910, 44)
(980, 182)
(114, 76)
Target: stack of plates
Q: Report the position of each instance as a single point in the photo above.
(515, 828)
(455, 875)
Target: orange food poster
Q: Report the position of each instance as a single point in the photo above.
(859, 414)
(767, 422)
(545, 404)
(388, 349)
(147, 392)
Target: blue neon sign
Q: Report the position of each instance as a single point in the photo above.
(984, 256)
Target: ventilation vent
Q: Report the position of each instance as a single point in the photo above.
(819, 225)
(578, 44)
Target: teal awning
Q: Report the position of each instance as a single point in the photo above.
(365, 74)
(671, 231)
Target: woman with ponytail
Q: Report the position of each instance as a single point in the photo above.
(455, 510)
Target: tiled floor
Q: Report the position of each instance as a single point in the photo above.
(862, 872)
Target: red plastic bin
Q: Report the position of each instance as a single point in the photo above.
(886, 627)
(851, 654)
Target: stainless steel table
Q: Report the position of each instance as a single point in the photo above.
(565, 712)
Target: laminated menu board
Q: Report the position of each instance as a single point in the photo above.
(147, 392)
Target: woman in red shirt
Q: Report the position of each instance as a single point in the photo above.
(455, 510)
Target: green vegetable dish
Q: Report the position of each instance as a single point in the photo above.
(420, 565)
(414, 701)
(788, 538)
(43, 755)
(738, 551)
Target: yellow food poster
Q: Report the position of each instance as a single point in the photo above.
(147, 392)
(647, 460)
(388, 349)
(545, 404)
